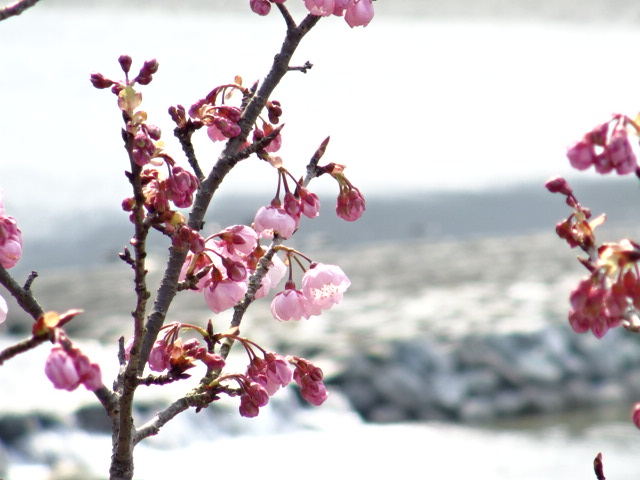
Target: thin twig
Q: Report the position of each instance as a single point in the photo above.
(16, 8)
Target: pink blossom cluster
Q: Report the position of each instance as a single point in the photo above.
(68, 368)
(351, 204)
(356, 12)
(611, 292)
(265, 375)
(10, 248)
(322, 287)
(222, 267)
(175, 355)
(606, 148)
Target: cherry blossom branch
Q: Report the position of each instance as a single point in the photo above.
(23, 295)
(16, 8)
(226, 161)
(183, 134)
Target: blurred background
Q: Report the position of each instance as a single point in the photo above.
(452, 342)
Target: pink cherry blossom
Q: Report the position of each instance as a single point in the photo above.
(309, 378)
(224, 294)
(68, 369)
(215, 134)
(61, 370)
(181, 185)
(273, 219)
(359, 14)
(581, 155)
(309, 203)
(237, 240)
(340, 6)
(620, 152)
(160, 356)
(320, 8)
(290, 304)
(324, 285)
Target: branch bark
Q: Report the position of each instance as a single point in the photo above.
(16, 8)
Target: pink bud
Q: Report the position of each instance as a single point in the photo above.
(581, 155)
(261, 7)
(61, 370)
(350, 205)
(359, 14)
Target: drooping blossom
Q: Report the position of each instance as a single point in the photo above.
(359, 14)
(253, 397)
(606, 148)
(68, 369)
(290, 304)
(309, 203)
(351, 204)
(309, 378)
(324, 285)
(224, 294)
(273, 219)
(237, 240)
(160, 356)
(272, 372)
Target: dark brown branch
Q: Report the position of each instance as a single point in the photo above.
(23, 346)
(183, 134)
(16, 8)
(23, 295)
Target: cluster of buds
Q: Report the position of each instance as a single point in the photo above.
(66, 366)
(144, 137)
(267, 372)
(351, 204)
(10, 248)
(606, 148)
(357, 13)
(610, 295)
(223, 121)
(282, 217)
(221, 269)
(175, 355)
(158, 189)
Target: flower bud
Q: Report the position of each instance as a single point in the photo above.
(125, 63)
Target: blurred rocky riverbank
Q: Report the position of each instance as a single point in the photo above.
(457, 312)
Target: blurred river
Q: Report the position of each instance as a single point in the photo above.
(412, 103)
